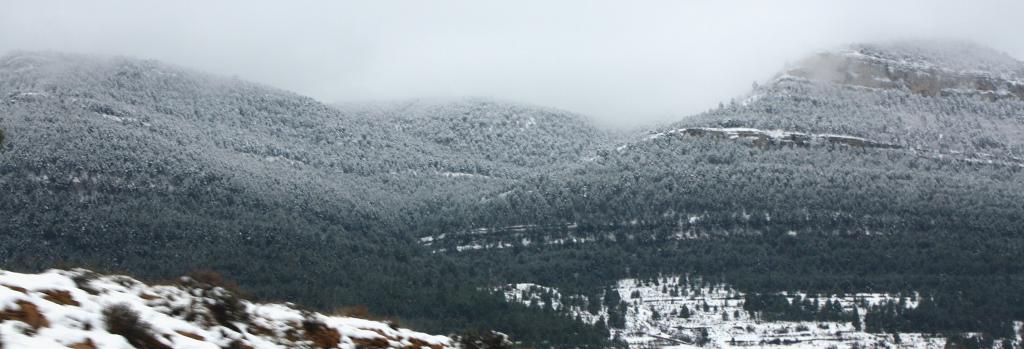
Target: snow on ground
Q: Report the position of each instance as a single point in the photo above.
(717, 319)
(690, 226)
(780, 137)
(80, 309)
(786, 138)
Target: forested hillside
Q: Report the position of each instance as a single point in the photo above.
(811, 185)
(184, 170)
(801, 154)
(505, 132)
(879, 168)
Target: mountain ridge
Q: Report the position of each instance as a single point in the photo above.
(847, 92)
(929, 68)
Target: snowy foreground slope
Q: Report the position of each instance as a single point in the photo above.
(82, 310)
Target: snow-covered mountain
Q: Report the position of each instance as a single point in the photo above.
(929, 68)
(84, 310)
(949, 97)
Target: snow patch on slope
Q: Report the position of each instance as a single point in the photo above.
(61, 308)
(715, 316)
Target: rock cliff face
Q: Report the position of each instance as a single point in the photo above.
(941, 97)
(914, 67)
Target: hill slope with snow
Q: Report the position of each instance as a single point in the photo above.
(847, 178)
(947, 97)
(187, 170)
(81, 309)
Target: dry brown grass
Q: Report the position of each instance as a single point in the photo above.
(16, 288)
(88, 344)
(212, 277)
(60, 297)
(321, 335)
(362, 312)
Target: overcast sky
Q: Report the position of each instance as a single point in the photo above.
(622, 62)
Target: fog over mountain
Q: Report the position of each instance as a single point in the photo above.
(624, 64)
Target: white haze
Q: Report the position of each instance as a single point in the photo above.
(623, 62)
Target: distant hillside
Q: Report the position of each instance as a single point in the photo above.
(807, 185)
(494, 130)
(823, 150)
(126, 164)
(947, 97)
(101, 149)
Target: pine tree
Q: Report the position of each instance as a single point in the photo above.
(611, 297)
(684, 312)
(617, 316)
(593, 305)
(602, 327)
(856, 319)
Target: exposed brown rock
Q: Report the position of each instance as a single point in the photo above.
(321, 335)
(371, 343)
(258, 330)
(292, 335)
(191, 335)
(16, 288)
(924, 84)
(60, 297)
(237, 344)
(83, 345)
(27, 313)
(925, 81)
(417, 344)
(1017, 90)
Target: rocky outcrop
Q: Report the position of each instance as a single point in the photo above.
(81, 309)
(868, 66)
(766, 138)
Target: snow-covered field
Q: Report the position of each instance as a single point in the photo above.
(715, 317)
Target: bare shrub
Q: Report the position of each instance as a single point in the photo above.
(122, 320)
(320, 334)
(213, 278)
(484, 340)
(362, 312)
(224, 305)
